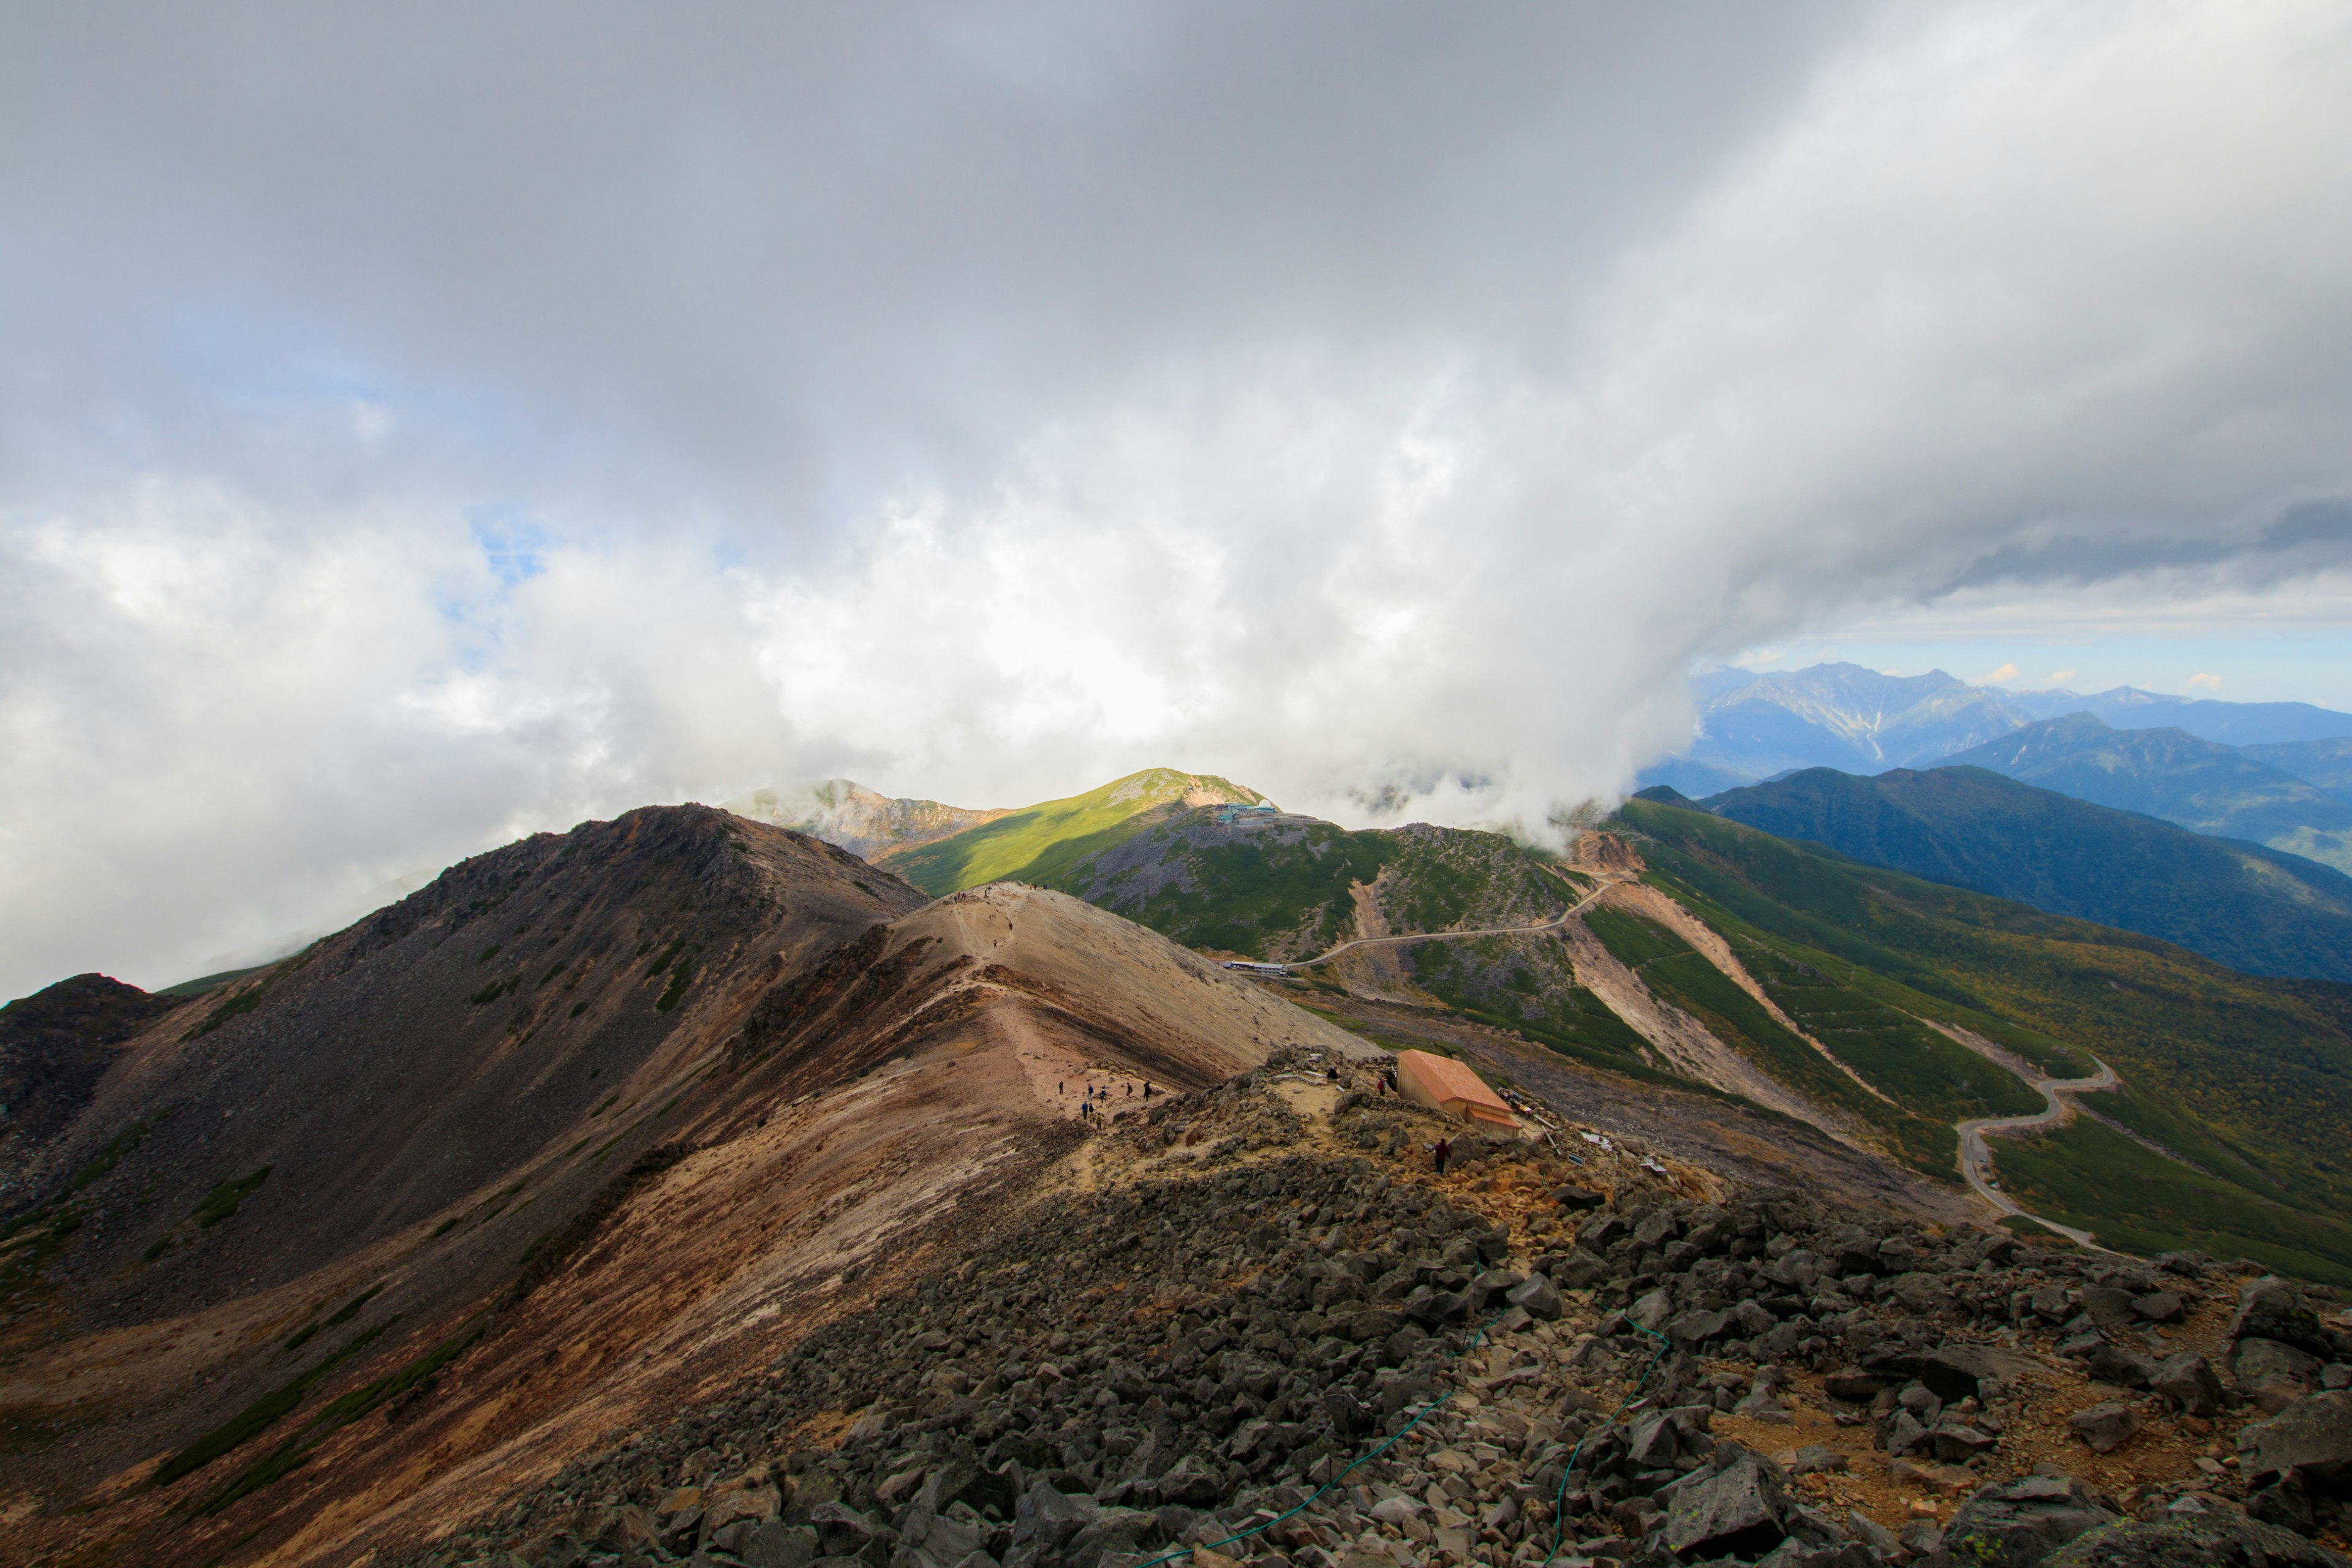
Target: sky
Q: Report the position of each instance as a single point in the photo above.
(421, 426)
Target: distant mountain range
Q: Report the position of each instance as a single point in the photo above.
(2250, 906)
(1753, 727)
(2277, 773)
(2200, 785)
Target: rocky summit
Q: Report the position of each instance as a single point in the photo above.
(1255, 1327)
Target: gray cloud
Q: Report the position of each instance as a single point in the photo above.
(419, 427)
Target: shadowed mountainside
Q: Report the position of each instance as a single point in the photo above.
(2250, 906)
(2171, 774)
(55, 1046)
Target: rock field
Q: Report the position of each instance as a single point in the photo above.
(1252, 1326)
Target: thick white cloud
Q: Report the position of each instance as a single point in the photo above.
(413, 433)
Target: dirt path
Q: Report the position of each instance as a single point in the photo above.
(1610, 880)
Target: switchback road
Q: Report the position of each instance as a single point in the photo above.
(1976, 1159)
(1604, 881)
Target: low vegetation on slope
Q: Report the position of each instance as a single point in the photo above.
(1040, 843)
(1285, 887)
(2247, 1078)
(2253, 909)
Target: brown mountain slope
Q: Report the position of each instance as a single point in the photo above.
(513, 1201)
(55, 1046)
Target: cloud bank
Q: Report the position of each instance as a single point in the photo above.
(416, 430)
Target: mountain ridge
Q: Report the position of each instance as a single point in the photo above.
(2198, 785)
(2257, 910)
(1750, 724)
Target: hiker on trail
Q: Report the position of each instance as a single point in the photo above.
(1146, 1088)
(1442, 1150)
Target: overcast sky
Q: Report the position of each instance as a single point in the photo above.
(420, 425)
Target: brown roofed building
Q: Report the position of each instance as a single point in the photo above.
(1444, 1084)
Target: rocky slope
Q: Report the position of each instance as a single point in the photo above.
(55, 1046)
(589, 1121)
(1250, 1324)
(860, 820)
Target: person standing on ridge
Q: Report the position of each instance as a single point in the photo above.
(1440, 1151)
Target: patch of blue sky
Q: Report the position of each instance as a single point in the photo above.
(513, 542)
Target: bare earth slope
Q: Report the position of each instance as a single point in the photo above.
(512, 1200)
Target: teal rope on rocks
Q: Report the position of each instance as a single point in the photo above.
(1432, 1408)
(1558, 1523)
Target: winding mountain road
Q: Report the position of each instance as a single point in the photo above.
(1603, 883)
(1976, 1159)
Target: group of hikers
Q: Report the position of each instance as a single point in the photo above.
(1090, 1108)
(1383, 1086)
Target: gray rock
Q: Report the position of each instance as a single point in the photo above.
(2016, 1524)
(1921, 1293)
(776, 1544)
(1577, 1269)
(841, 1530)
(2189, 1383)
(2313, 1436)
(2160, 1307)
(2108, 1306)
(2211, 1540)
(2271, 1308)
(1739, 1508)
(1050, 1518)
(2105, 1428)
(1188, 1484)
(1955, 1442)
(2114, 1364)
(1692, 1330)
(1538, 1297)
(1812, 1456)
(2273, 1373)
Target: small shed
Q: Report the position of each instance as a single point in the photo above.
(1445, 1085)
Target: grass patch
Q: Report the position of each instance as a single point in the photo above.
(494, 990)
(257, 1417)
(1040, 843)
(226, 1198)
(106, 1159)
(2130, 1197)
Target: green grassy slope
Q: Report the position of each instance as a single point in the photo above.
(1286, 889)
(2249, 1078)
(1040, 843)
(2251, 908)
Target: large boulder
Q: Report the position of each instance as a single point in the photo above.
(2214, 1539)
(1536, 1296)
(2273, 1373)
(2189, 1383)
(2271, 1308)
(1951, 1371)
(2311, 1438)
(2105, 1428)
(2018, 1524)
(1050, 1518)
(1738, 1505)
